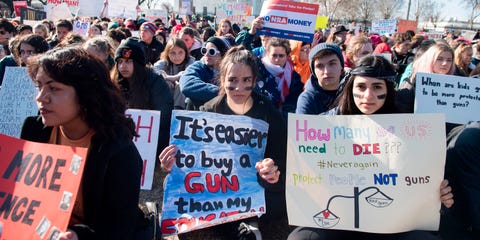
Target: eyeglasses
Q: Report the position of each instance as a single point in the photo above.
(211, 51)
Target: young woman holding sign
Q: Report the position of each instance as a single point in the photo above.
(80, 107)
(238, 75)
(369, 90)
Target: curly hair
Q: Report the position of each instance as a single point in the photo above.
(101, 104)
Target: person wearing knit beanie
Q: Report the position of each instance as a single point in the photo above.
(221, 43)
(323, 87)
(153, 48)
(149, 27)
(131, 48)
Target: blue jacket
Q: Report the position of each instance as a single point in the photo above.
(267, 86)
(314, 100)
(198, 83)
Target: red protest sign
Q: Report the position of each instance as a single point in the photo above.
(38, 187)
(17, 5)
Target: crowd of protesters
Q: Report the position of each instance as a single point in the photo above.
(194, 64)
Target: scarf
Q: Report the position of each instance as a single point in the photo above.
(283, 76)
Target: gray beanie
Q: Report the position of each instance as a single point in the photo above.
(324, 46)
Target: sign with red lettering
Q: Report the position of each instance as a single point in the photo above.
(38, 187)
(214, 179)
(289, 19)
(147, 125)
(369, 173)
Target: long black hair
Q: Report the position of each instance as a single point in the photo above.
(369, 66)
(101, 104)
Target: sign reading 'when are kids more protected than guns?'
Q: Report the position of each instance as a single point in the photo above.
(214, 179)
(378, 173)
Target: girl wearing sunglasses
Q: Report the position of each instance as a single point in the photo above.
(199, 83)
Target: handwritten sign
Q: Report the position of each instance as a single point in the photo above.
(457, 97)
(122, 8)
(17, 100)
(384, 26)
(404, 25)
(375, 173)
(80, 27)
(214, 179)
(38, 186)
(147, 123)
(290, 20)
(61, 9)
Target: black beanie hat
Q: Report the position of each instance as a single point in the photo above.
(221, 43)
(321, 47)
(131, 48)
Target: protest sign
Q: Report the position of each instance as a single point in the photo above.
(457, 97)
(384, 26)
(152, 14)
(147, 124)
(89, 8)
(322, 22)
(214, 179)
(235, 12)
(371, 173)
(290, 20)
(17, 100)
(404, 25)
(38, 187)
(17, 5)
(81, 28)
(61, 9)
(122, 8)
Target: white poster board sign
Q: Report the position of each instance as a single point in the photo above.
(290, 20)
(377, 173)
(147, 123)
(457, 97)
(384, 26)
(81, 28)
(122, 8)
(60, 9)
(90, 8)
(152, 14)
(17, 100)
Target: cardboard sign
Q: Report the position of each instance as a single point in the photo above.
(457, 97)
(404, 25)
(376, 173)
(214, 179)
(290, 20)
(147, 124)
(17, 100)
(38, 187)
(384, 26)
